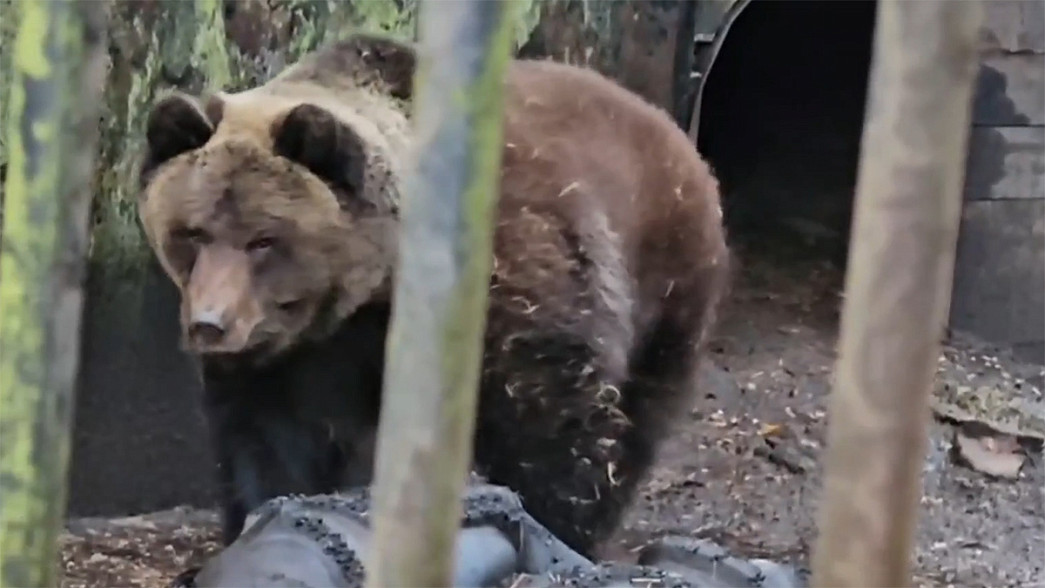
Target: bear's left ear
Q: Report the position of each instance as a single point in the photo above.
(313, 137)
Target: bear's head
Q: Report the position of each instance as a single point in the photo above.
(275, 217)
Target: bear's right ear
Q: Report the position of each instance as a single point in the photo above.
(176, 124)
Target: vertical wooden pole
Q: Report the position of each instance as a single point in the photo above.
(58, 68)
(424, 446)
(908, 205)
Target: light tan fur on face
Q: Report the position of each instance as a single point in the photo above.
(235, 186)
(220, 291)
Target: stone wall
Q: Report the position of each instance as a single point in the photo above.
(999, 282)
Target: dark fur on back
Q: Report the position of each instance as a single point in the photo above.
(610, 261)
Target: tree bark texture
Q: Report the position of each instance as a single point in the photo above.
(907, 209)
(54, 87)
(635, 42)
(439, 315)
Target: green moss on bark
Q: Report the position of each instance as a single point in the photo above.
(51, 88)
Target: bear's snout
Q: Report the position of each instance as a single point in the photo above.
(221, 307)
(206, 329)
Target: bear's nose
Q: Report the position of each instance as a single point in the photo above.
(206, 328)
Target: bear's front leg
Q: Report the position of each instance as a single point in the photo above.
(553, 426)
(233, 509)
(238, 476)
(263, 455)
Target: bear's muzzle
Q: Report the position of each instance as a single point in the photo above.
(222, 309)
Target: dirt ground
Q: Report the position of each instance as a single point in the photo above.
(743, 467)
(744, 470)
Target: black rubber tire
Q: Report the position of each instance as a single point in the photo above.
(321, 541)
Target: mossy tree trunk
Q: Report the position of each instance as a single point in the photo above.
(439, 316)
(50, 131)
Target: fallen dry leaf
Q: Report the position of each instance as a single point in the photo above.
(992, 454)
(771, 430)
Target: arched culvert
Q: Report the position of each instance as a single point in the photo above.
(781, 115)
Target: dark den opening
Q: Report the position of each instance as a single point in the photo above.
(781, 119)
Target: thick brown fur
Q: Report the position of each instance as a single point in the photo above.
(610, 260)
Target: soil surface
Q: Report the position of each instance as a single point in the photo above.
(743, 467)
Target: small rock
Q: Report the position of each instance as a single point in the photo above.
(784, 454)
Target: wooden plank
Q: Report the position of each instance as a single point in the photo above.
(1006, 163)
(1010, 90)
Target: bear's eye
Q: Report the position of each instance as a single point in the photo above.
(291, 306)
(261, 244)
(193, 235)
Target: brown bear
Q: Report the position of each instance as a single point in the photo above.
(274, 211)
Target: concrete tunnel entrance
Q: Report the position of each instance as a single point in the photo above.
(781, 119)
